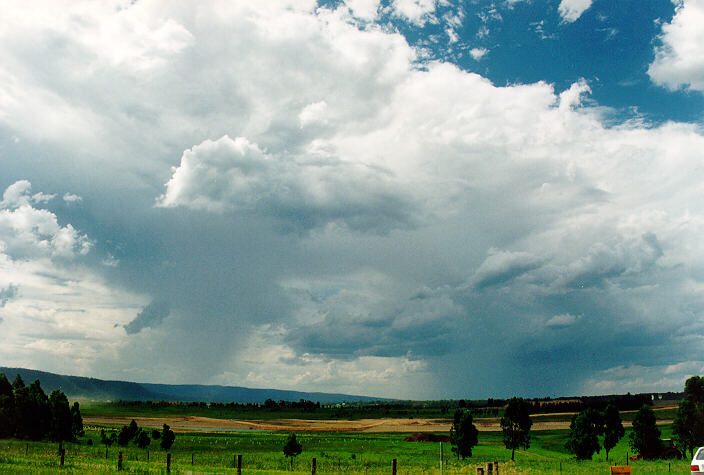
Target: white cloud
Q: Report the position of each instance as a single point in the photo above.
(16, 194)
(54, 317)
(571, 10)
(364, 9)
(60, 319)
(229, 174)
(27, 232)
(562, 320)
(414, 11)
(313, 113)
(642, 378)
(478, 53)
(679, 61)
(572, 97)
(71, 198)
(278, 365)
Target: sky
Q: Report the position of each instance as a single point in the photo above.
(417, 199)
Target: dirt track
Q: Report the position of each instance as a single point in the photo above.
(207, 424)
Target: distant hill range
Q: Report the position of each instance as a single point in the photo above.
(78, 387)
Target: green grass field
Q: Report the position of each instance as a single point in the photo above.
(89, 408)
(368, 411)
(335, 453)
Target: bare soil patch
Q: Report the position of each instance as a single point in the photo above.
(427, 437)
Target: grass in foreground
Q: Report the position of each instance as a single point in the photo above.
(334, 452)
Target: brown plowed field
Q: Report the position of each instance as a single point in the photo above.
(207, 424)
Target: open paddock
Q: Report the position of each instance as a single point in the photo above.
(335, 452)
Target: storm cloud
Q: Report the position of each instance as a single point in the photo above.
(149, 317)
(296, 195)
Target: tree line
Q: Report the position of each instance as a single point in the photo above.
(302, 404)
(586, 429)
(487, 407)
(26, 412)
(622, 402)
(142, 438)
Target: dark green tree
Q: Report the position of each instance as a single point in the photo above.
(613, 428)
(127, 433)
(32, 412)
(142, 439)
(694, 388)
(583, 439)
(516, 425)
(167, 437)
(156, 434)
(463, 433)
(292, 448)
(61, 419)
(107, 439)
(76, 421)
(18, 382)
(688, 426)
(7, 408)
(645, 438)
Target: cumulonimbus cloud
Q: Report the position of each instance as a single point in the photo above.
(484, 207)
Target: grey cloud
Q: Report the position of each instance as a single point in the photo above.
(7, 294)
(651, 239)
(341, 337)
(604, 262)
(501, 267)
(149, 317)
(423, 325)
(562, 320)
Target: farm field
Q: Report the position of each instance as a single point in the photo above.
(352, 412)
(208, 424)
(335, 452)
(188, 418)
(364, 418)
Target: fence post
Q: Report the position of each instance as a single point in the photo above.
(441, 457)
(168, 463)
(626, 459)
(191, 459)
(496, 467)
(119, 461)
(393, 467)
(63, 452)
(147, 455)
(313, 467)
(239, 464)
